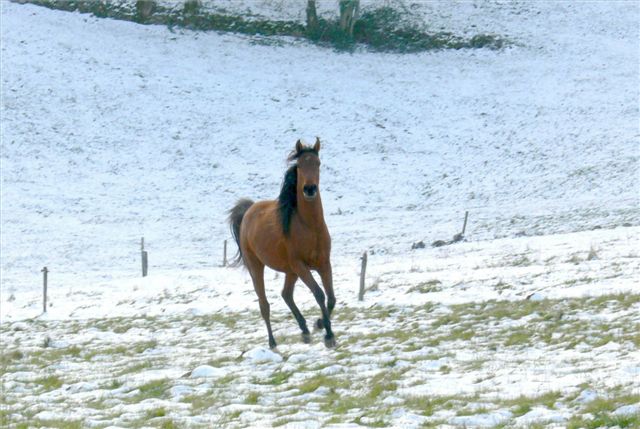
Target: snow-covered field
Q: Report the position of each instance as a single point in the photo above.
(112, 131)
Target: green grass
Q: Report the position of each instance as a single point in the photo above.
(61, 424)
(523, 404)
(280, 377)
(427, 406)
(426, 287)
(252, 398)
(202, 402)
(153, 389)
(520, 337)
(50, 382)
(137, 367)
(155, 413)
(313, 383)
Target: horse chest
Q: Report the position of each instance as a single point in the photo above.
(311, 248)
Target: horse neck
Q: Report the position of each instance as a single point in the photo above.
(310, 211)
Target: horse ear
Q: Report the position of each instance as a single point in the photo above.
(316, 147)
(298, 146)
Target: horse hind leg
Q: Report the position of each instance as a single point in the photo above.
(256, 269)
(287, 295)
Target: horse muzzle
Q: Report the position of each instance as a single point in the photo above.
(310, 192)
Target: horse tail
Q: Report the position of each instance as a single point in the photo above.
(235, 220)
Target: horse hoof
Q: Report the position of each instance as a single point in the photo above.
(306, 338)
(272, 344)
(330, 342)
(319, 324)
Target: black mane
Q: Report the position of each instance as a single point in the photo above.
(287, 199)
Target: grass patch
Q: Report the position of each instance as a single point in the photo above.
(523, 404)
(427, 406)
(137, 367)
(201, 403)
(117, 350)
(521, 261)
(252, 398)
(602, 420)
(12, 356)
(59, 424)
(280, 377)
(155, 413)
(50, 382)
(521, 337)
(313, 383)
(153, 389)
(426, 287)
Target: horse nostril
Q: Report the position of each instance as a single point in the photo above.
(310, 190)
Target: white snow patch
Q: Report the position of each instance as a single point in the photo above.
(482, 420)
(205, 371)
(587, 395)
(542, 414)
(262, 355)
(180, 391)
(627, 410)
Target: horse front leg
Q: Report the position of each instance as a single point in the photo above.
(287, 294)
(302, 271)
(326, 276)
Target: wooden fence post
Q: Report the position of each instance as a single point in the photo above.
(224, 254)
(45, 271)
(145, 259)
(363, 271)
(466, 216)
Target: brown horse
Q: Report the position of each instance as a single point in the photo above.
(289, 235)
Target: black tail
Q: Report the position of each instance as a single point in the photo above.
(235, 219)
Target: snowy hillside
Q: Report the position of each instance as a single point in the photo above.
(112, 131)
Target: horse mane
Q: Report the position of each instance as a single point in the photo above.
(287, 200)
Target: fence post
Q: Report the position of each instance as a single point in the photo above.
(145, 259)
(466, 216)
(224, 254)
(45, 271)
(363, 271)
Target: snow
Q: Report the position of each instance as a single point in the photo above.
(112, 131)
(262, 355)
(482, 420)
(627, 410)
(204, 371)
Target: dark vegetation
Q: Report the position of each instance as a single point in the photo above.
(382, 29)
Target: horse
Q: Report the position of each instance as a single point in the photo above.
(289, 235)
